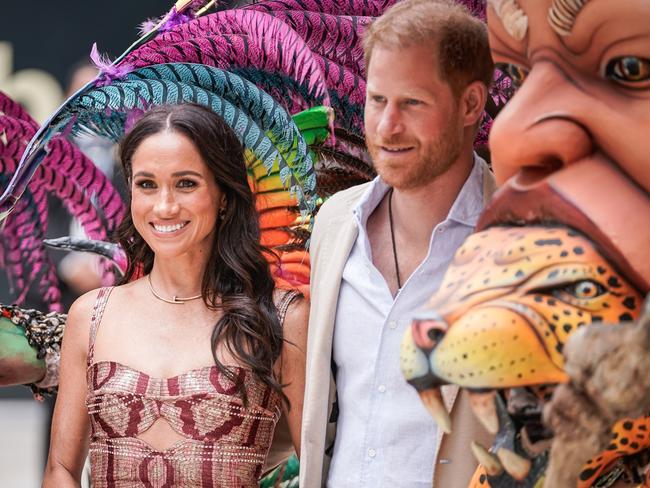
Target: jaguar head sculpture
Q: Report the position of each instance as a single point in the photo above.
(507, 306)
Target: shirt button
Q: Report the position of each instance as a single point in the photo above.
(392, 324)
(381, 388)
(372, 453)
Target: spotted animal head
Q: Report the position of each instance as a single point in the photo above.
(498, 324)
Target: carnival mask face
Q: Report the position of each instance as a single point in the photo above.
(507, 305)
(175, 198)
(584, 76)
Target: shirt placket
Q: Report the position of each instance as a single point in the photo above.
(372, 454)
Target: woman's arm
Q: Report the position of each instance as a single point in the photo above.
(70, 425)
(292, 364)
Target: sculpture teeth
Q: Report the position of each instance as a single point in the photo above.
(485, 458)
(516, 466)
(485, 409)
(432, 400)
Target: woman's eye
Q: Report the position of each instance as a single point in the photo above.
(583, 290)
(516, 73)
(145, 184)
(628, 70)
(186, 184)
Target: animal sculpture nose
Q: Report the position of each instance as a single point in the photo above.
(541, 128)
(428, 332)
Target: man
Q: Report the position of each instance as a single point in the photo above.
(379, 251)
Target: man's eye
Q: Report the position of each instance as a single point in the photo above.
(412, 101)
(631, 71)
(516, 73)
(377, 99)
(582, 290)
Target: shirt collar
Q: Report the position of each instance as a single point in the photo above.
(468, 205)
(465, 210)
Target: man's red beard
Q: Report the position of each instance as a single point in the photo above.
(419, 165)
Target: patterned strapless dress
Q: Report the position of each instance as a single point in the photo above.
(225, 444)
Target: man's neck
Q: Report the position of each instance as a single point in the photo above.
(417, 211)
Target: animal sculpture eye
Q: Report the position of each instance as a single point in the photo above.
(628, 70)
(584, 290)
(516, 73)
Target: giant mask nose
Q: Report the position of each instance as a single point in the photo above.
(541, 127)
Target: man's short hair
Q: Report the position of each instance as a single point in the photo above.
(461, 40)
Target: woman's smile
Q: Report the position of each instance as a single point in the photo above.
(169, 229)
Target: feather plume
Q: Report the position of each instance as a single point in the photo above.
(65, 173)
(108, 70)
(283, 49)
(370, 8)
(299, 52)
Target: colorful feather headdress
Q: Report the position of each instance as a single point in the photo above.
(267, 68)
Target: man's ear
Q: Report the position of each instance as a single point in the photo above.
(472, 102)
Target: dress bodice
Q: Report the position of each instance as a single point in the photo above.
(224, 442)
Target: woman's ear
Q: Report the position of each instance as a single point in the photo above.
(473, 102)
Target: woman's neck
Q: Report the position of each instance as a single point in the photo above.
(179, 277)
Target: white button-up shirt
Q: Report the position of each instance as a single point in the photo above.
(384, 436)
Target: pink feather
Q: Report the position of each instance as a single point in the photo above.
(283, 48)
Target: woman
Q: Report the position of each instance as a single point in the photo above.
(178, 378)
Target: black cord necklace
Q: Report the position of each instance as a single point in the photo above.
(392, 236)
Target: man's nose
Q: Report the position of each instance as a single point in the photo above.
(166, 204)
(390, 122)
(542, 126)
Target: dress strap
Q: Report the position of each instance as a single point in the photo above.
(96, 318)
(283, 304)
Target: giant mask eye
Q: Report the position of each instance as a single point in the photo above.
(516, 73)
(631, 71)
(582, 290)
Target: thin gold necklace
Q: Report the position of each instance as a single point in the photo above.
(175, 300)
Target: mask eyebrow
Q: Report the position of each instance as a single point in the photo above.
(563, 14)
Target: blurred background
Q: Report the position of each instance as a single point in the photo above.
(44, 51)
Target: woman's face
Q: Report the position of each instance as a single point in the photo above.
(175, 198)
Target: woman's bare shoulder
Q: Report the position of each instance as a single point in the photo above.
(83, 306)
(77, 326)
(297, 313)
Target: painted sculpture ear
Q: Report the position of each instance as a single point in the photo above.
(472, 102)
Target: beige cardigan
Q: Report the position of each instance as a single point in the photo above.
(334, 234)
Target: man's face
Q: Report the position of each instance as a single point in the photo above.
(413, 126)
(584, 95)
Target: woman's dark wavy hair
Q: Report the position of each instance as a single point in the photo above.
(237, 278)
